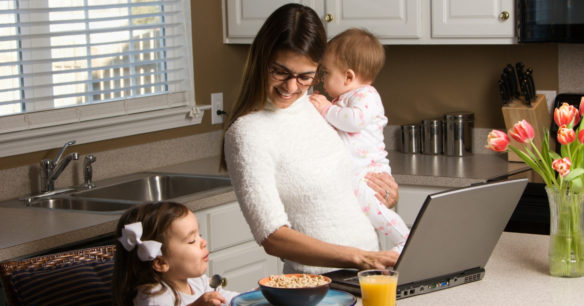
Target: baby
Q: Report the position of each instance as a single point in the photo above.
(352, 61)
(161, 259)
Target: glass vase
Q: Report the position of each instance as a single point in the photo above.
(566, 248)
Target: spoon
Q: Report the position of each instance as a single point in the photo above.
(216, 281)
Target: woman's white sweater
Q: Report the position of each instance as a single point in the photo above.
(289, 167)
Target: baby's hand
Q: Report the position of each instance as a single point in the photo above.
(209, 298)
(320, 103)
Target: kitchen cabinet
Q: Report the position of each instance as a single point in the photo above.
(386, 19)
(392, 21)
(472, 19)
(389, 19)
(234, 254)
(243, 18)
(411, 199)
(243, 266)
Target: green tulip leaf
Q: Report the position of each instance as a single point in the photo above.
(554, 155)
(574, 173)
(577, 185)
(532, 164)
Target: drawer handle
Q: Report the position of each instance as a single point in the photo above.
(504, 15)
(329, 17)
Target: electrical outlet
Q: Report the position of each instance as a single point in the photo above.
(216, 104)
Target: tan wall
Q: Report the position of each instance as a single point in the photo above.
(418, 82)
(424, 82)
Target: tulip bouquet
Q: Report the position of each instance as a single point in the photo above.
(563, 175)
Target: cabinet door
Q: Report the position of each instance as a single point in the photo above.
(472, 19)
(243, 18)
(225, 226)
(384, 18)
(243, 266)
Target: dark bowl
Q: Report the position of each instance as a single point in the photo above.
(306, 296)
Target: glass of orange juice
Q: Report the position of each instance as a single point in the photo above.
(378, 287)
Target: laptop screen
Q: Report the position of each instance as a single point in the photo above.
(456, 230)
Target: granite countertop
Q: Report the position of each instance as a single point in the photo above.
(516, 274)
(56, 228)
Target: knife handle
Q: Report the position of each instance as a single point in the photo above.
(526, 91)
(530, 83)
(503, 91)
(512, 80)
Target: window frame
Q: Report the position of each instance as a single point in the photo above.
(41, 130)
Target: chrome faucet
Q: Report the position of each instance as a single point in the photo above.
(51, 169)
(88, 171)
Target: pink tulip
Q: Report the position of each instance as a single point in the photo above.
(566, 135)
(582, 106)
(497, 141)
(562, 166)
(564, 114)
(522, 132)
(581, 136)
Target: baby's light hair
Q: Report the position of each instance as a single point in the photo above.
(358, 50)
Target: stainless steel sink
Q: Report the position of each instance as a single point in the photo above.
(81, 204)
(156, 187)
(118, 194)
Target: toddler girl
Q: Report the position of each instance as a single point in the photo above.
(352, 61)
(161, 259)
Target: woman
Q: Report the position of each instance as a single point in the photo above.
(290, 170)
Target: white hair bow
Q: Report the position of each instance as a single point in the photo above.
(131, 235)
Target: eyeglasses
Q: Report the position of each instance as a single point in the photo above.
(282, 75)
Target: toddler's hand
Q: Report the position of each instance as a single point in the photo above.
(320, 103)
(209, 298)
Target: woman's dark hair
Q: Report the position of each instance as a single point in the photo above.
(292, 27)
(130, 273)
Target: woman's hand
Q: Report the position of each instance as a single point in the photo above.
(385, 186)
(378, 260)
(209, 298)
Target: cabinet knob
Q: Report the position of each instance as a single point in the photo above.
(329, 17)
(504, 15)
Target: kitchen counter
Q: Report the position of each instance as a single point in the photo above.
(516, 274)
(29, 231)
(451, 171)
(26, 231)
(419, 169)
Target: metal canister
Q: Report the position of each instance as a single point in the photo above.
(410, 138)
(458, 133)
(432, 136)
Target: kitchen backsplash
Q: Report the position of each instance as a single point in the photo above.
(571, 68)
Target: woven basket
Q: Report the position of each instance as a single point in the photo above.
(52, 261)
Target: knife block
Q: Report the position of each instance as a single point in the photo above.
(537, 115)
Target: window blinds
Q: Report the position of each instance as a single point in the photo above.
(59, 53)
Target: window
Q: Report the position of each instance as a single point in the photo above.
(76, 69)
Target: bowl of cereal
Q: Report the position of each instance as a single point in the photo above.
(294, 289)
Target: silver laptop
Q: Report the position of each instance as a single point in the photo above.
(451, 240)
